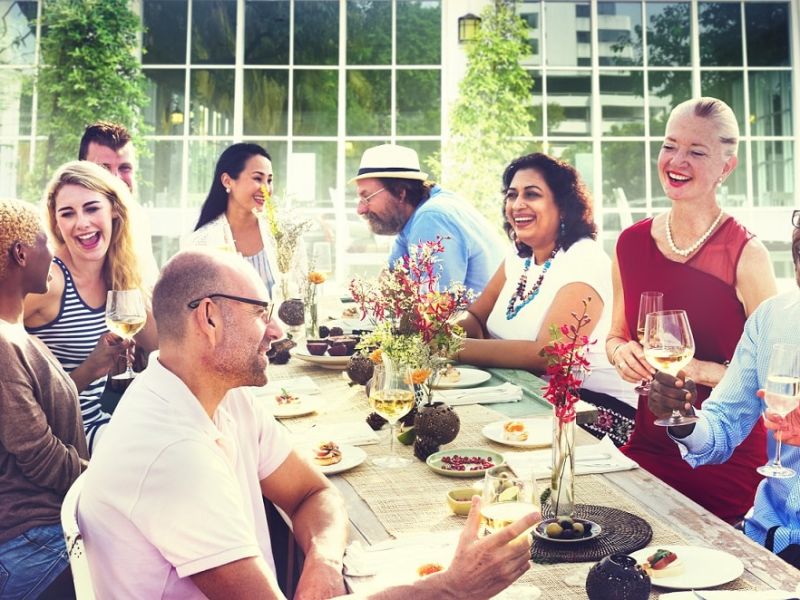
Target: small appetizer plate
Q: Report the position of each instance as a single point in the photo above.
(702, 567)
(439, 461)
(352, 456)
(539, 531)
(469, 378)
(540, 433)
(336, 363)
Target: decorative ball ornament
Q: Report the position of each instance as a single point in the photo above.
(687, 251)
(437, 422)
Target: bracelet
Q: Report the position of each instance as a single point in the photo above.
(614, 351)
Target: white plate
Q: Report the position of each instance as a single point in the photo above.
(702, 567)
(540, 433)
(469, 378)
(294, 409)
(352, 456)
(336, 363)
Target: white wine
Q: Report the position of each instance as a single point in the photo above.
(501, 514)
(391, 404)
(781, 403)
(125, 327)
(785, 385)
(669, 359)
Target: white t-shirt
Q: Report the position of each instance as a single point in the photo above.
(171, 493)
(584, 262)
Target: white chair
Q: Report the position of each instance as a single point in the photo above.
(78, 561)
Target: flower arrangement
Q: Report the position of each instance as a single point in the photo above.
(415, 326)
(286, 228)
(313, 280)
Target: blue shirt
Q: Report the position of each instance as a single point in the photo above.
(733, 408)
(472, 254)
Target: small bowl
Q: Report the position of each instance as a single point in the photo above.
(460, 500)
(317, 347)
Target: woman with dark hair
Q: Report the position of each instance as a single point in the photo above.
(555, 264)
(228, 217)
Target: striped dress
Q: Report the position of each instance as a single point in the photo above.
(71, 337)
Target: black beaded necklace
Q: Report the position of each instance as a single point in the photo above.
(519, 294)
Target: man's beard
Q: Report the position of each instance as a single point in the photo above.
(389, 225)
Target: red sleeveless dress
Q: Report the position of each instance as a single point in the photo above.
(704, 287)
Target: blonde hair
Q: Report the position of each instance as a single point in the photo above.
(719, 113)
(19, 222)
(121, 267)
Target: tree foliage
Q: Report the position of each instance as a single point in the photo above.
(492, 112)
(90, 71)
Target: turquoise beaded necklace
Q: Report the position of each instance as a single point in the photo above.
(520, 294)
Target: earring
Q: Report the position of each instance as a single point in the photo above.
(562, 227)
(227, 190)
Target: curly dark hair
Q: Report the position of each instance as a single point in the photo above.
(417, 192)
(570, 195)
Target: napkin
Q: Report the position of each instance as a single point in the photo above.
(299, 386)
(352, 433)
(602, 457)
(400, 556)
(731, 595)
(507, 392)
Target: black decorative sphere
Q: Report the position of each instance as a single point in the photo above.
(617, 577)
(438, 422)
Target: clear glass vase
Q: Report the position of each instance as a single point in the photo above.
(312, 318)
(562, 477)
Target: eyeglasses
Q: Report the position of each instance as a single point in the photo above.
(371, 196)
(267, 306)
(796, 219)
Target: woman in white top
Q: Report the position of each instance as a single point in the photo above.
(229, 216)
(554, 265)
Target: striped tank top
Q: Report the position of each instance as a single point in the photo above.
(71, 337)
(260, 263)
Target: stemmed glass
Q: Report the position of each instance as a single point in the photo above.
(649, 302)
(669, 346)
(125, 316)
(506, 497)
(782, 395)
(391, 396)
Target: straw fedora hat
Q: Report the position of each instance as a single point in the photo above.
(389, 160)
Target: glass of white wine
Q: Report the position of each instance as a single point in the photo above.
(125, 316)
(391, 396)
(782, 396)
(669, 346)
(506, 497)
(649, 302)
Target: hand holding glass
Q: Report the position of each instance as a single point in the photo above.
(649, 302)
(506, 498)
(125, 316)
(782, 396)
(391, 396)
(669, 346)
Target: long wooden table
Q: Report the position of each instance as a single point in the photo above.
(688, 520)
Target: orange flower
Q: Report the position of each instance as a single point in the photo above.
(376, 356)
(420, 376)
(316, 277)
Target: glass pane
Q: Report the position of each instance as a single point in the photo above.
(165, 247)
(728, 86)
(720, 34)
(370, 26)
(622, 102)
(316, 32)
(160, 179)
(315, 102)
(18, 33)
(537, 124)
(668, 33)
(266, 32)
(425, 149)
(311, 174)
(529, 10)
(213, 32)
(773, 182)
(277, 151)
(203, 155)
(369, 102)
(667, 90)
(212, 102)
(418, 102)
(658, 197)
(767, 26)
(266, 102)
(578, 154)
(623, 174)
(165, 88)
(770, 103)
(419, 32)
(164, 37)
(567, 35)
(15, 159)
(569, 109)
(619, 33)
(16, 102)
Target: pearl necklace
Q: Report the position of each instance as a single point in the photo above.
(520, 294)
(687, 251)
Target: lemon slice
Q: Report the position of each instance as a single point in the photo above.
(509, 494)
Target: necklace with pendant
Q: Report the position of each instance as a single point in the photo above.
(520, 295)
(687, 251)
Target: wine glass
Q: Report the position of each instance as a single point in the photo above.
(391, 396)
(125, 316)
(649, 302)
(782, 395)
(506, 497)
(669, 346)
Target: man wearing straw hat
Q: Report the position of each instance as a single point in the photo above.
(396, 198)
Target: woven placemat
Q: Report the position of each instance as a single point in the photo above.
(622, 533)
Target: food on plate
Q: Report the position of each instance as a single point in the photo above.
(663, 563)
(515, 431)
(327, 453)
(449, 375)
(429, 569)
(350, 312)
(466, 463)
(286, 398)
(566, 528)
